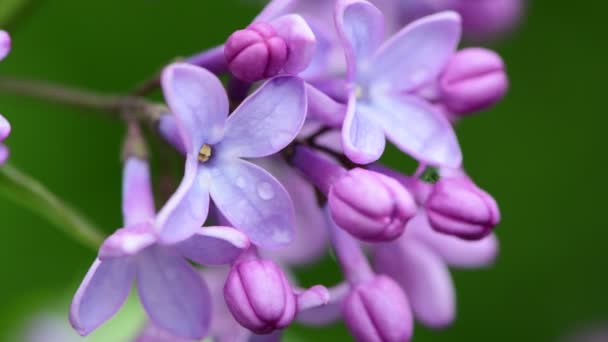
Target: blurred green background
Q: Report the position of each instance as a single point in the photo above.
(541, 153)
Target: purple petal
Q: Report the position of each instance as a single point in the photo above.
(197, 99)
(152, 333)
(266, 121)
(416, 54)
(310, 239)
(167, 127)
(128, 241)
(416, 128)
(329, 313)
(102, 292)
(362, 138)
(455, 251)
(4, 154)
(214, 246)
(5, 128)
(424, 277)
(313, 297)
(300, 39)
(5, 44)
(174, 295)
(187, 209)
(137, 198)
(360, 27)
(275, 8)
(253, 201)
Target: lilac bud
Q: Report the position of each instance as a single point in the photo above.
(5, 128)
(474, 79)
(370, 206)
(378, 310)
(256, 52)
(458, 207)
(5, 44)
(259, 296)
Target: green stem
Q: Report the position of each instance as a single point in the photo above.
(29, 193)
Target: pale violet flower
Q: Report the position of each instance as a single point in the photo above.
(249, 197)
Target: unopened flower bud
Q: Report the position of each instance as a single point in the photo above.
(370, 206)
(5, 44)
(259, 296)
(5, 128)
(458, 207)
(378, 311)
(256, 52)
(474, 80)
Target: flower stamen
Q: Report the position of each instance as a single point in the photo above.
(204, 154)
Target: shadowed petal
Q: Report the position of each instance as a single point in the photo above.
(416, 128)
(455, 251)
(299, 38)
(424, 277)
(416, 54)
(187, 209)
(198, 100)
(152, 333)
(174, 295)
(253, 201)
(266, 121)
(276, 8)
(137, 198)
(214, 246)
(362, 138)
(102, 292)
(360, 27)
(326, 314)
(5, 44)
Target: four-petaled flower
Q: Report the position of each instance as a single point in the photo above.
(250, 198)
(173, 294)
(383, 81)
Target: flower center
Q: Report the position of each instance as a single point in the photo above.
(204, 153)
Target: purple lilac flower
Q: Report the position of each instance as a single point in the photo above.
(284, 45)
(248, 196)
(171, 291)
(383, 81)
(5, 126)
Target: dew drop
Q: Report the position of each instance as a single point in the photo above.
(240, 182)
(265, 191)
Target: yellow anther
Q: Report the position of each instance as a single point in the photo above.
(205, 153)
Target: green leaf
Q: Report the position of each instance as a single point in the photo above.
(29, 193)
(9, 9)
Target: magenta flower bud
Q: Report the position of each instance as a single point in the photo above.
(256, 52)
(370, 206)
(5, 44)
(378, 311)
(474, 79)
(5, 128)
(458, 207)
(259, 296)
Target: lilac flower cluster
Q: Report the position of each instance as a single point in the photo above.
(5, 126)
(294, 168)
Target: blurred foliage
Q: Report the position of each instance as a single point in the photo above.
(539, 153)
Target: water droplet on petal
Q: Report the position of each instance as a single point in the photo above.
(265, 191)
(240, 182)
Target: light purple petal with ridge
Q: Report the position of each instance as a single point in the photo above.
(214, 246)
(137, 197)
(102, 292)
(360, 28)
(266, 121)
(174, 295)
(415, 55)
(276, 8)
(4, 153)
(5, 44)
(455, 251)
(310, 239)
(362, 138)
(253, 201)
(424, 277)
(186, 211)
(128, 241)
(416, 128)
(300, 40)
(5, 128)
(152, 333)
(326, 314)
(198, 100)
